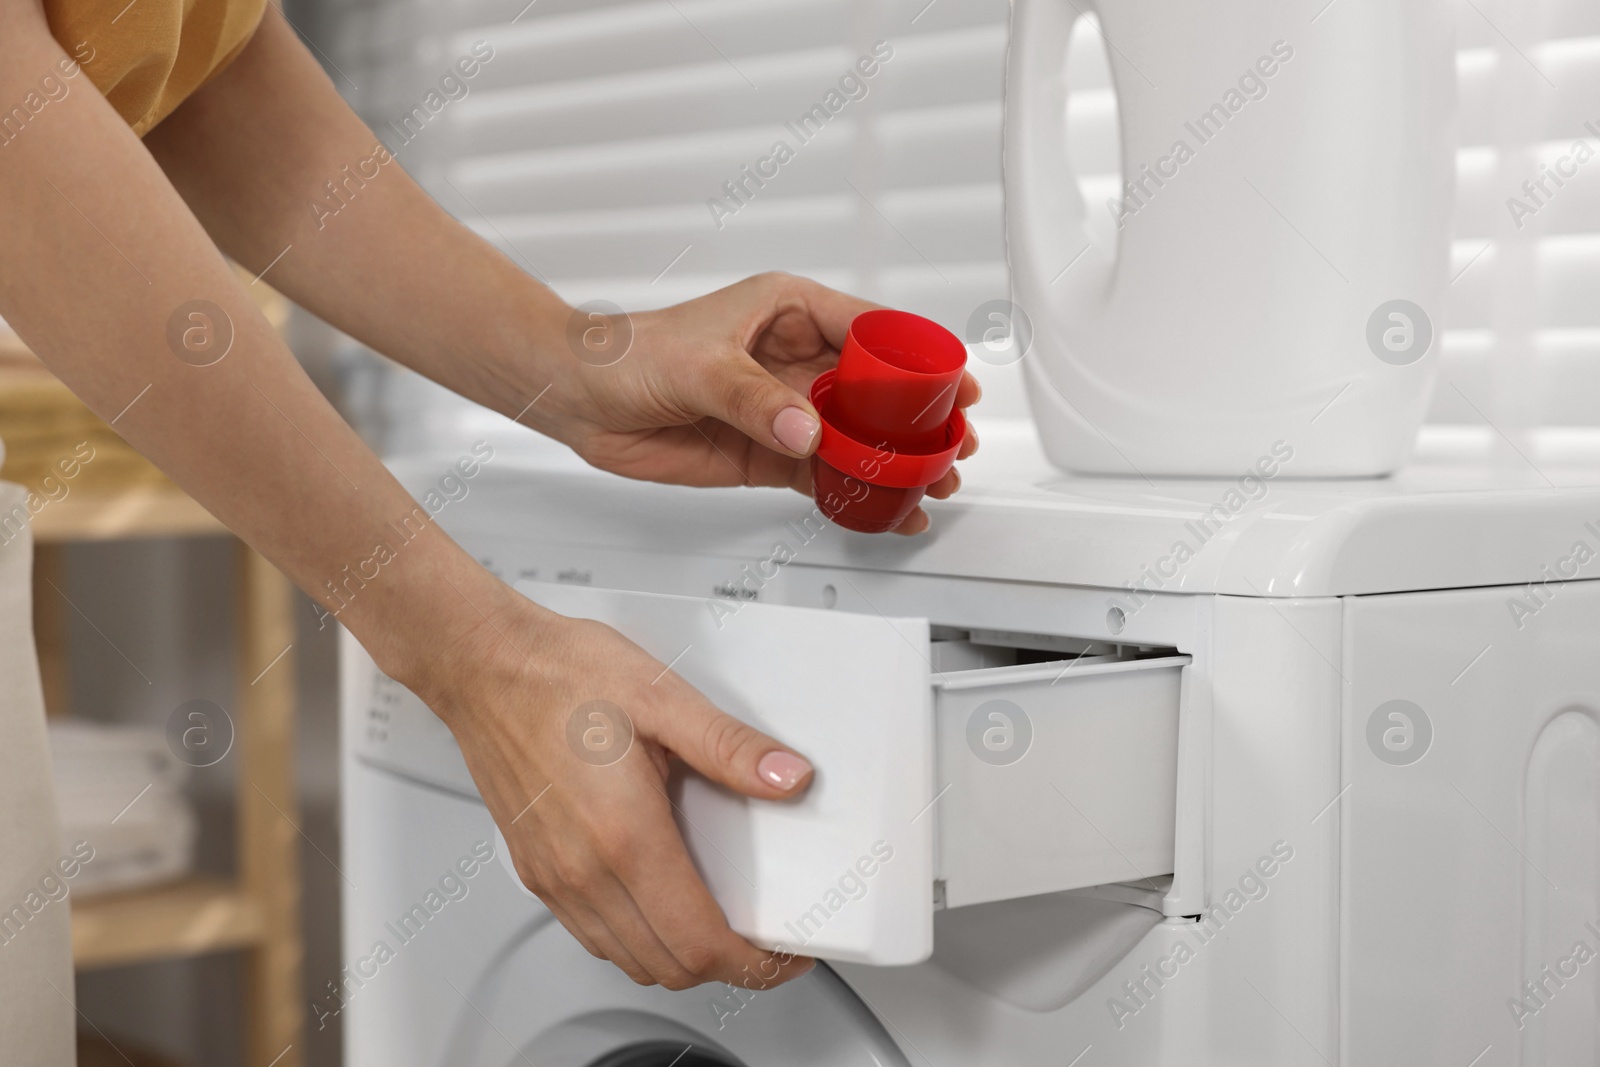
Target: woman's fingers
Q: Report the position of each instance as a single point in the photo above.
(572, 926)
(623, 917)
(969, 392)
(914, 523)
(945, 486)
(608, 915)
(737, 390)
(969, 444)
(676, 905)
(592, 904)
(557, 883)
(723, 748)
(627, 890)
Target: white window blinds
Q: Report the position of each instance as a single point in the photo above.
(597, 144)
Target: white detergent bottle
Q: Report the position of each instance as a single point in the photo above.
(1282, 233)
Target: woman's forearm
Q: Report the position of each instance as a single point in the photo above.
(287, 179)
(103, 269)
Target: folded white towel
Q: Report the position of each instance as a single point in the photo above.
(120, 788)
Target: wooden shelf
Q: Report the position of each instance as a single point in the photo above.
(133, 512)
(259, 914)
(185, 918)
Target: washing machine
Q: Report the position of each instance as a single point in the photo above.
(1251, 771)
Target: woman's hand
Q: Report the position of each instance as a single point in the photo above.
(710, 392)
(567, 727)
(714, 391)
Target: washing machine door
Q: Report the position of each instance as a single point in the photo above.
(545, 1001)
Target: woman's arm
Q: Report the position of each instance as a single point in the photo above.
(253, 153)
(98, 254)
(712, 392)
(98, 257)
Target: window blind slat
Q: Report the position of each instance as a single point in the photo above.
(640, 37)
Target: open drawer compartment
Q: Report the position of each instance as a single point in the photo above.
(940, 767)
(1055, 775)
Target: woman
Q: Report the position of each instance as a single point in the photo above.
(108, 247)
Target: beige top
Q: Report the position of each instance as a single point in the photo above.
(148, 56)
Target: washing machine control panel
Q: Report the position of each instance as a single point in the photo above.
(390, 728)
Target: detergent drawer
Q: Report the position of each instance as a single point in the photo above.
(969, 776)
(1056, 775)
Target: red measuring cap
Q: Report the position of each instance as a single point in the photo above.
(890, 427)
(897, 380)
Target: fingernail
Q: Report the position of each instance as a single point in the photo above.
(795, 429)
(782, 770)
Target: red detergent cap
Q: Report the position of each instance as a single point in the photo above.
(877, 454)
(897, 380)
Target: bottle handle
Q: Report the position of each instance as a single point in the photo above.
(1045, 212)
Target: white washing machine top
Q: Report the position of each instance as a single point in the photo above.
(1449, 520)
